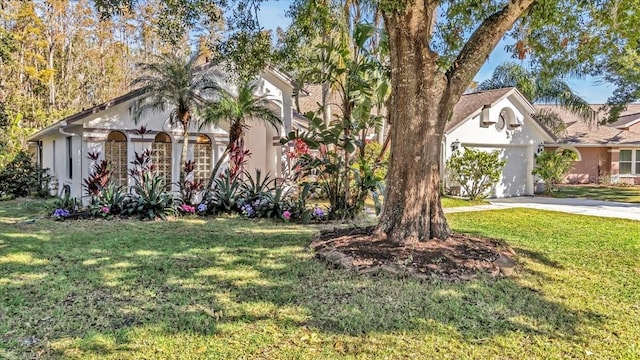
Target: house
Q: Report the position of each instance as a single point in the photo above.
(109, 129)
(498, 120)
(606, 153)
(488, 120)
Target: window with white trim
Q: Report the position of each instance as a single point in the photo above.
(629, 162)
(115, 152)
(202, 158)
(161, 157)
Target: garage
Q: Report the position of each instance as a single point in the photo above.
(498, 120)
(515, 176)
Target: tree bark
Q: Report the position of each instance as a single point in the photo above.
(422, 101)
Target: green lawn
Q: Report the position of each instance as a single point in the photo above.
(228, 288)
(628, 194)
(451, 202)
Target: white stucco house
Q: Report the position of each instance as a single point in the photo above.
(109, 129)
(499, 120)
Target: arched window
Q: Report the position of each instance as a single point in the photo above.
(115, 152)
(202, 158)
(162, 156)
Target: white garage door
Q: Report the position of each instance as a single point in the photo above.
(513, 181)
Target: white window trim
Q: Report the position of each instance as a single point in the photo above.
(634, 161)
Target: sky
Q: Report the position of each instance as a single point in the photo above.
(272, 15)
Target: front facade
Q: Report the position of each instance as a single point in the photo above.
(109, 131)
(607, 154)
(498, 120)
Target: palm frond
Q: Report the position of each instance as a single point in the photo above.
(558, 92)
(552, 121)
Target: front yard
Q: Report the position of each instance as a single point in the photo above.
(628, 194)
(230, 288)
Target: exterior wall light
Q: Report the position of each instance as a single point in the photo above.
(455, 145)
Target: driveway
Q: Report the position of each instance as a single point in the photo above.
(574, 206)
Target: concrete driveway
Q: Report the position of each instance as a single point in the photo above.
(574, 206)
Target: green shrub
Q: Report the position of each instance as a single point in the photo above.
(341, 172)
(22, 177)
(552, 166)
(149, 198)
(475, 170)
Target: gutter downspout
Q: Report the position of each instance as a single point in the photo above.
(61, 129)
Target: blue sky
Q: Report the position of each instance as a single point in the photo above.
(272, 15)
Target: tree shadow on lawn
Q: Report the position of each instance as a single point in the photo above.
(104, 280)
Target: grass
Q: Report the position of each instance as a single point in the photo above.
(447, 202)
(628, 194)
(229, 288)
(451, 202)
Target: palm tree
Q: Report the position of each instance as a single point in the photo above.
(178, 83)
(237, 111)
(539, 89)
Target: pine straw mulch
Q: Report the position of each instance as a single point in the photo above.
(460, 257)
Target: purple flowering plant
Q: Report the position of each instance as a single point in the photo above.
(61, 213)
(247, 210)
(318, 213)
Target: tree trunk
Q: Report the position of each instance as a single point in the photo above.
(422, 101)
(421, 105)
(185, 146)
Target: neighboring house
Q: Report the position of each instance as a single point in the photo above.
(498, 120)
(488, 120)
(606, 153)
(109, 129)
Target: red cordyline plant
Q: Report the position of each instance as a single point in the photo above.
(238, 159)
(142, 166)
(191, 186)
(99, 176)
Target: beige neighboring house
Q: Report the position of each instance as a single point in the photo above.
(489, 120)
(109, 129)
(606, 153)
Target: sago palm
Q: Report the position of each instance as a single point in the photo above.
(176, 83)
(540, 90)
(237, 111)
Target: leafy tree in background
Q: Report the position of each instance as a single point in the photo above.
(179, 85)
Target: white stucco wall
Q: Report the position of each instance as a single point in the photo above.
(517, 145)
(92, 130)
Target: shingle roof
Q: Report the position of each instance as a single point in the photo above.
(626, 120)
(470, 103)
(580, 132)
(311, 100)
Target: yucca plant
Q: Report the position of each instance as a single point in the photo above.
(226, 194)
(114, 197)
(149, 198)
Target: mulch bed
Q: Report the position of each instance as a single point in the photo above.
(459, 257)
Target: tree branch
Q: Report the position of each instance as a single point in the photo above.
(482, 42)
